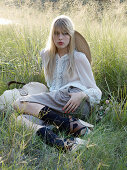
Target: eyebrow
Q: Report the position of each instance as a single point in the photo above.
(62, 31)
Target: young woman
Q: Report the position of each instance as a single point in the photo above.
(70, 81)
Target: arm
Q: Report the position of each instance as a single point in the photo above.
(91, 92)
(85, 73)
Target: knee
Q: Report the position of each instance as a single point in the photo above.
(44, 88)
(35, 88)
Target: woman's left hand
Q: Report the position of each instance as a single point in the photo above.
(74, 102)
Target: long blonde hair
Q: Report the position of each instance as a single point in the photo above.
(64, 23)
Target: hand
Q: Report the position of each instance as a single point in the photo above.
(74, 102)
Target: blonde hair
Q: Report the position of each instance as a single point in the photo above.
(64, 23)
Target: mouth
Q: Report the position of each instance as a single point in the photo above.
(60, 43)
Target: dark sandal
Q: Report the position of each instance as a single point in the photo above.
(68, 143)
(77, 128)
(73, 144)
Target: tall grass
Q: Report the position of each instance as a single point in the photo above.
(105, 28)
(105, 32)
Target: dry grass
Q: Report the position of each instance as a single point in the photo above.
(105, 28)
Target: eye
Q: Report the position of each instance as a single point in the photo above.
(56, 33)
(65, 33)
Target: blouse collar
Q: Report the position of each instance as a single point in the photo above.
(62, 57)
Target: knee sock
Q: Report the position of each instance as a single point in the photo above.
(50, 138)
(49, 116)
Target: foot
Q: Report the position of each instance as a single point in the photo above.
(74, 144)
(77, 128)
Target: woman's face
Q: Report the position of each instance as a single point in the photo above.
(61, 39)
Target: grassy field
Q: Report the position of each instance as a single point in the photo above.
(105, 28)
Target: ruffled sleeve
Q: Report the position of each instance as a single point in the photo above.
(85, 74)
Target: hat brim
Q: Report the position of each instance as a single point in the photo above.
(81, 45)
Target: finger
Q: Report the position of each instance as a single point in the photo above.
(67, 104)
(71, 108)
(68, 108)
(74, 108)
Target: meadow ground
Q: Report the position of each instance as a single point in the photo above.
(105, 28)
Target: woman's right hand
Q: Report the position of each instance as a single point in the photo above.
(74, 102)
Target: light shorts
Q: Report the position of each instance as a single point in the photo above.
(56, 100)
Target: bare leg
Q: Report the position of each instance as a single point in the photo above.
(28, 108)
(30, 125)
(31, 108)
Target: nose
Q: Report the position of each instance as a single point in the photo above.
(60, 36)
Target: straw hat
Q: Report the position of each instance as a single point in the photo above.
(81, 45)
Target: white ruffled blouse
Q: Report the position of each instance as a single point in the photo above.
(82, 78)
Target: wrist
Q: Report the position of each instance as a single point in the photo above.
(85, 96)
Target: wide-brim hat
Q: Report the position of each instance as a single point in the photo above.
(81, 45)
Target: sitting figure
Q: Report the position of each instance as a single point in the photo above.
(66, 62)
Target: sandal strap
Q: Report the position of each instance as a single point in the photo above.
(82, 131)
(78, 128)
